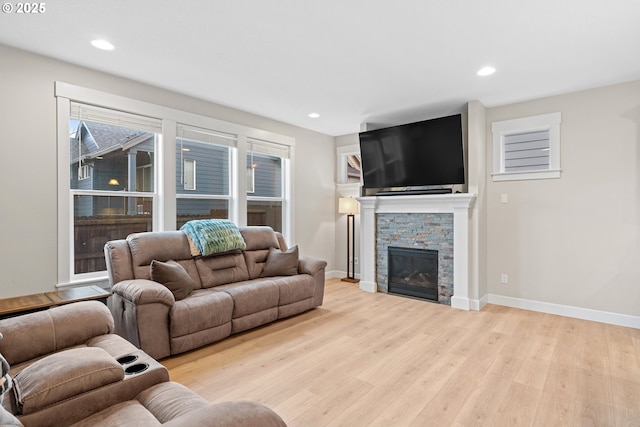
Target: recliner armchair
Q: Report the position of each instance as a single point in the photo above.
(68, 368)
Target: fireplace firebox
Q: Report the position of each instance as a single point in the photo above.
(413, 272)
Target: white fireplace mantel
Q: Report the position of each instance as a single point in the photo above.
(459, 204)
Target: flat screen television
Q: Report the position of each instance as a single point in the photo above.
(427, 154)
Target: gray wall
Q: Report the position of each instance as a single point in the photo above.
(28, 257)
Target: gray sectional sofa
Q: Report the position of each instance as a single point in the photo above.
(227, 293)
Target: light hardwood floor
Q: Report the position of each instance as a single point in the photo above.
(367, 359)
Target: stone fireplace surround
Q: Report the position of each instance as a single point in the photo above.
(459, 204)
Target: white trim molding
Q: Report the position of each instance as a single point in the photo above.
(505, 128)
(566, 310)
(459, 205)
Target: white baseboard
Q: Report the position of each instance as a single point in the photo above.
(460, 303)
(477, 304)
(368, 286)
(334, 274)
(337, 274)
(565, 310)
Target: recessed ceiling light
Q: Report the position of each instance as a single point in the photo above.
(102, 44)
(314, 115)
(486, 71)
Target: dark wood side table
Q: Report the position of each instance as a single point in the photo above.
(15, 306)
(83, 293)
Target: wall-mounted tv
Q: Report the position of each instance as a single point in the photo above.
(422, 154)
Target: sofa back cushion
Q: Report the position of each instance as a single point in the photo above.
(36, 334)
(259, 240)
(161, 246)
(221, 269)
(118, 258)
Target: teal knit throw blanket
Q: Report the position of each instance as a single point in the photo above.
(214, 236)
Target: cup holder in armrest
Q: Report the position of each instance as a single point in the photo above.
(136, 369)
(124, 360)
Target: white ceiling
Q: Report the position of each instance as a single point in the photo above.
(352, 61)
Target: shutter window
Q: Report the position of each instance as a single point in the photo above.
(527, 151)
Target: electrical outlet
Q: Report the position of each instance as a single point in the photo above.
(355, 260)
(504, 278)
(504, 198)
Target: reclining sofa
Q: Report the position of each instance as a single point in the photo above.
(64, 366)
(259, 281)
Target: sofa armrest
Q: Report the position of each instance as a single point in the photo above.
(310, 265)
(140, 310)
(36, 334)
(236, 414)
(141, 291)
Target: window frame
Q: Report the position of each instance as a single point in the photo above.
(165, 185)
(544, 122)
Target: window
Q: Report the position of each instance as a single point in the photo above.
(117, 197)
(207, 193)
(527, 148)
(354, 170)
(349, 169)
(128, 166)
(267, 165)
(83, 172)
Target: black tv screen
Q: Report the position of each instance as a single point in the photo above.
(427, 153)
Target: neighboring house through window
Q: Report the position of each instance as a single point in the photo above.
(116, 198)
(205, 192)
(267, 189)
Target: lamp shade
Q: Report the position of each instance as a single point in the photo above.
(114, 181)
(348, 205)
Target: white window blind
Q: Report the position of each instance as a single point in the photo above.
(526, 151)
(205, 135)
(117, 118)
(268, 148)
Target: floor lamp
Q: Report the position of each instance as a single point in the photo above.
(350, 206)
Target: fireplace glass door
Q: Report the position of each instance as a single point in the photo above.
(413, 272)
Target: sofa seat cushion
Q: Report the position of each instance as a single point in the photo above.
(169, 400)
(152, 407)
(203, 309)
(63, 375)
(130, 412)
(252, 296)
(294, 288)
